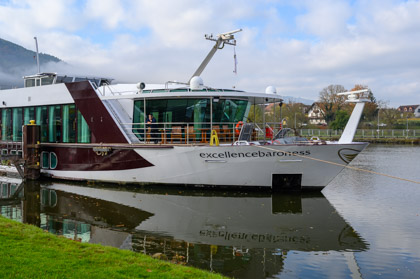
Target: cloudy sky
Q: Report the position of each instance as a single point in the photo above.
(298, 46)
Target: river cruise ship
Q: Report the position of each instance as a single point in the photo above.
(201, 135)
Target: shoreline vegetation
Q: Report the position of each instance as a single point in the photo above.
(415, 141)
(29, 252)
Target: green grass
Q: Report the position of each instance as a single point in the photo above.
(28, 252)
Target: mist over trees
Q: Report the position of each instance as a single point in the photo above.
(17, 61)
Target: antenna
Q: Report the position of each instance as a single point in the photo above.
(221, 39)
(37, 55)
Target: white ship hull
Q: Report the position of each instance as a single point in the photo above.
(251, 165)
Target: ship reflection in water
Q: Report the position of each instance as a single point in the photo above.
(241, 235)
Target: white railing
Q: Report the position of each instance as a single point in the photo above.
(183, 132)
(364, 133)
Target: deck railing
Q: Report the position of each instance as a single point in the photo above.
(183, 132)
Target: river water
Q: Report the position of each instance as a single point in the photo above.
(362, 225)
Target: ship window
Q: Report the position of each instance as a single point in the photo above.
(30, 82)
(53, 160)
(48, 197)
(83, 131)
(6, 129)
(63, 79)
(28, 114)
(47, 80)
(69, 123)
(38, 82)
(80, 79)
(5, 190)
(17, 124)
(42, 120)
(138, 117)
(45, 160)
(54, 123)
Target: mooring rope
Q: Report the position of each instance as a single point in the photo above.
(342, 165)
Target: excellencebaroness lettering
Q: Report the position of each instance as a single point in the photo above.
(256, 237)
(255, 154)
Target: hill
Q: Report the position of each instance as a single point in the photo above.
(17, 61)
(13, 56)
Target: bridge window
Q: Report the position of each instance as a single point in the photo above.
(47, 80)
(30, 82)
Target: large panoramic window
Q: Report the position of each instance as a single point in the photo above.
(189, 110)
(28, 115)
(17, 124)
(138, 119)
(83, 131)
(42, 120)
(6, 128)
(54, 124)
(69, 123)
(59, 123)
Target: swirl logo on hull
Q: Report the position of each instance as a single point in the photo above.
(347, 154)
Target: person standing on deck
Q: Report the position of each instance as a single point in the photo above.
(151, 122)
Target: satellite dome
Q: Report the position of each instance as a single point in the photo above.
(270, 90)
(196, 83)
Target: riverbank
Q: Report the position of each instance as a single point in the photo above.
(415, 141)
(29, 252)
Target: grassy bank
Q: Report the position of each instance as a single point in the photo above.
(29, 252)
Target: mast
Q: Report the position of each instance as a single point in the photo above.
(360, 98)
(37, 55)
(221, 40)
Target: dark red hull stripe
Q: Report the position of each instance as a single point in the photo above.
(99, 120)
(103, 129)
(85, 159)
(97, 212)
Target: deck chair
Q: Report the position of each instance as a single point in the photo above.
(176, 133)
(191, 134)
(224, 133)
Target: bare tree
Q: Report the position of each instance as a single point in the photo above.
(329, 102)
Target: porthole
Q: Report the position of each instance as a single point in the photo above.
(53, 160)
(45, 160)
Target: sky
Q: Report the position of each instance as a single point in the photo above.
(300, 46)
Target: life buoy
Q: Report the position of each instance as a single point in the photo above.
(238, 127)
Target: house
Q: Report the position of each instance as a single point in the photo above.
(410, 108)
(315, 115)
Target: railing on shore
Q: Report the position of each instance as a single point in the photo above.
(363, 133)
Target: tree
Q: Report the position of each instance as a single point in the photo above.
(255, 114)
(370, 111)
(294, 112)
(390, 117)
(329, 102)
(340, 121)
